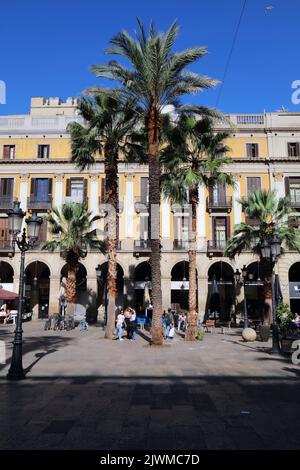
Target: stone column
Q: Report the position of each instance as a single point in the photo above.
(24, 194)
(54, 289)
(94, 196)
(202, 296)
(237, 208)
(166, 293)
(278, 184)
(129, 206)
(58, 190)
(201, 218)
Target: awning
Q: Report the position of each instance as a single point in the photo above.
(7, 295)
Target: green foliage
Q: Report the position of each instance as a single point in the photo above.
(150, 73)
(273, 215)
(195, 155)
(109, 129)
(72, 225)
(283, 314)
(200, 335)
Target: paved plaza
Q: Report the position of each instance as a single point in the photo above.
(84, 392)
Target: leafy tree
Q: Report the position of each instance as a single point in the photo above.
(196, 155)
(73, 227)
(272, 216)
(155, 80)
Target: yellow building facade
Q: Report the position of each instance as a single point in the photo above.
(35, 169)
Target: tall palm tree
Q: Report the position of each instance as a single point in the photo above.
(272, 216)
(73, 226)
(196, 155)
(155, 78)
(105, 133)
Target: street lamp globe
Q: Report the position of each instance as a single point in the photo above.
(33, 226)
(15, 218)
(244, 271)
(275, 245)
(265, 249)
(237, 276)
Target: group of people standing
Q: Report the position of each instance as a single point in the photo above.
(172, 320)
(127, 319)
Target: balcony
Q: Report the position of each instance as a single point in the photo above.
(6, 202)
(180, 245)
(141, 205)
(6, 246)
(35, 202)
(295, 202)
(141, 245)
(219, 204)
(216, 247)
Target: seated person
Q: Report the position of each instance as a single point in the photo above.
(297, 320)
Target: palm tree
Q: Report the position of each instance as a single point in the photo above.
(156, 78)
(272, 216)
(73, 225)
(195, 156)
(106, 132)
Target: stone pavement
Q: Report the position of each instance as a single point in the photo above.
(85, 392)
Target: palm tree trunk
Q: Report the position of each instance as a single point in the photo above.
(266, 270)
(191, 331)
(112, 199)
(154, 225)
(71, 289)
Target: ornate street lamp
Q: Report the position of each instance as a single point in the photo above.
(15, 220)
(271, 250)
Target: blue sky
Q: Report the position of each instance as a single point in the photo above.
(46, 47)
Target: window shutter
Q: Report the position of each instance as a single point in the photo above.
(227, 219)
(297, 149)
(68, 187)
(50, 186)
(287, 185)
(9, 187)
(6, 152)
(222, 191)
(32, 186)
(85, 188)
(248, 150)
(256, 150)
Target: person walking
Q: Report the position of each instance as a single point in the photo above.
(169, 320)
(120, 324)
(127, 315)
(133, 324)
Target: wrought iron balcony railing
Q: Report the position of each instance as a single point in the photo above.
(222, 203)
(214, 246)
(6, 202)
(142, 245)
(180, 245)
(38, 202)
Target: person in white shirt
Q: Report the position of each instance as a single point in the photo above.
(120, 324)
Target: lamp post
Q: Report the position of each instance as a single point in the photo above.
(240, 279)
(271, 250)
(15, 219)
(99, 273)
